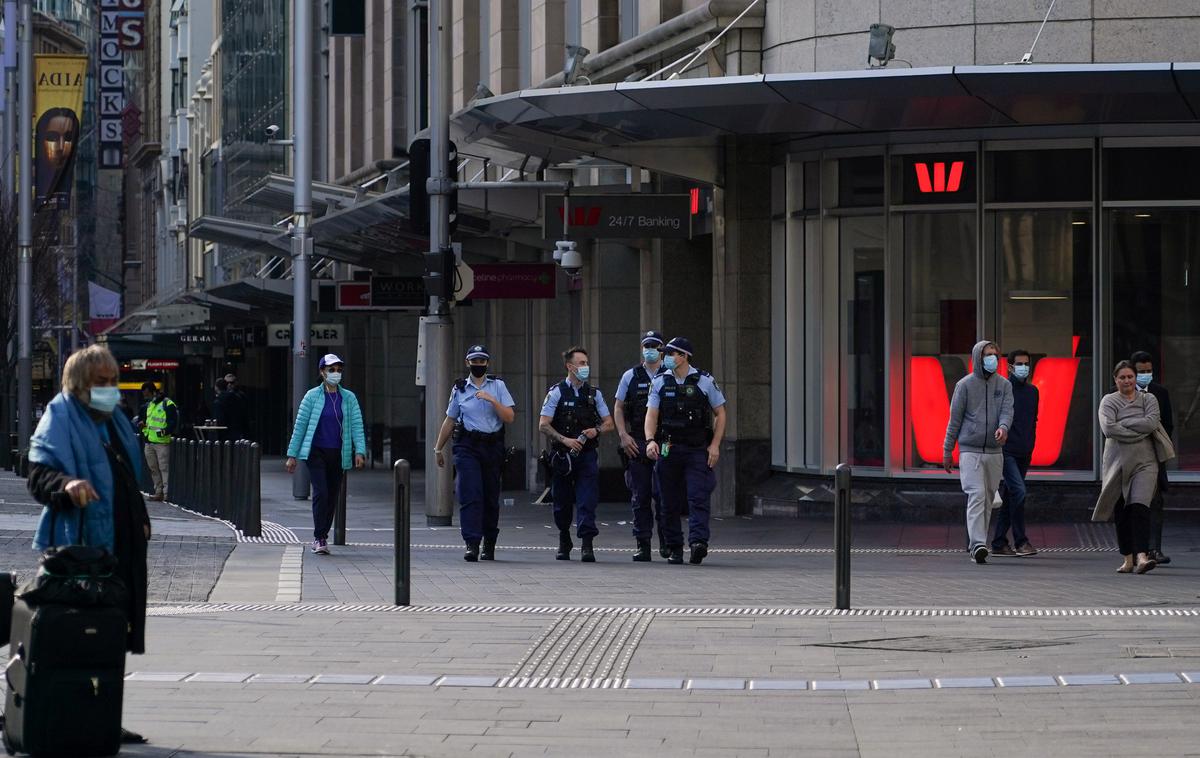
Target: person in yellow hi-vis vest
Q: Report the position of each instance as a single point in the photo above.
(159, 422)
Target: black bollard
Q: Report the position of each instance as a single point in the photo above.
(841, 536)
(339, 514)
(401, 536)
(254, 491)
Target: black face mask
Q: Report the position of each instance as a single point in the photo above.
(478, 371)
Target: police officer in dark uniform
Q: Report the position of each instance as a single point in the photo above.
(685, 421)
(573, 417)
(480, 406)
(630, 418)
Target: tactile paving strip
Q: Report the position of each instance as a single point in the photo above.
(594, 646)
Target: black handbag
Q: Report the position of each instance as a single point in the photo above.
(80, 576)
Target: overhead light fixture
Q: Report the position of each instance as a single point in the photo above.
(1039, 295)
(880, 47)
(573, 70)
(1078, 223)
(1141, 215)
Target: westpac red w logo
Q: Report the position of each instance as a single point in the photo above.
(939, 181)
(589, 216)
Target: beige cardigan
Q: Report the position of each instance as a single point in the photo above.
(1131, 456)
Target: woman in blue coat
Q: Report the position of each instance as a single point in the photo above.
(327, 435)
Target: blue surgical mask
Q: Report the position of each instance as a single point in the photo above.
(583, 372)
(333, 377)
(104, 399)
(669, 362)
(650, 355)
(1143, 380)
(990, 363)
(1021, 371)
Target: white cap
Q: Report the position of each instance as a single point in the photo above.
(330, 359)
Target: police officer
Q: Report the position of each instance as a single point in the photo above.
(685, 421)
(480, 406)
(630, 417)
(573, 417)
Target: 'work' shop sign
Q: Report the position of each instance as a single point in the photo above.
(635, 216)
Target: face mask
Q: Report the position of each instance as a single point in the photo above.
(1143, 380)
(1021, 371)
(990, 362)
(583, 372)
(670, 362)
(478, 371)
(334, 377)
(650, 355)
(104, 399)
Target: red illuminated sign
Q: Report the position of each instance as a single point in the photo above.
(583, 216)
(929, 406)
(939, 182)
(694, 194)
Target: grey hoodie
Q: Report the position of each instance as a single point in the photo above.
(982, 403)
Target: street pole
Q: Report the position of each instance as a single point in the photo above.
(25, 235)
(439, 334)
(302, 242)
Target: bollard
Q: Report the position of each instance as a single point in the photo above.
(339, 513)
(226, 483)
(401, 536)
(841, 536)
(254, 491)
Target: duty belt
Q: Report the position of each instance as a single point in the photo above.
(474, 436)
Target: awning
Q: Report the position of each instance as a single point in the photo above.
(662, 124)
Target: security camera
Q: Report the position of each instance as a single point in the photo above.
(568, 257)
(272, 131)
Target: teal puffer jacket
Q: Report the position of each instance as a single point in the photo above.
(353, 438)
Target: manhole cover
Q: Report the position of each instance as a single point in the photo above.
(930, 644)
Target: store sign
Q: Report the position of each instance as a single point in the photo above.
(939, 178)
(330, 335)
(148, 364)
(633, 216)
(514, 281)
(398, 292)
(199, 335)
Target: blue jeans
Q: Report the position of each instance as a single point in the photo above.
(1012, 513)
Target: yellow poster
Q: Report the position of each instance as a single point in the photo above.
(58, 101)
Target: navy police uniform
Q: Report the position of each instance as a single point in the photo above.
(634, 392)
(574, 483)
(478, 452)
(685, 429)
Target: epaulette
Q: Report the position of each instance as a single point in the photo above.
(460, 384)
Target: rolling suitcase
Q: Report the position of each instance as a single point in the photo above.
(8, 585)
(65, 680)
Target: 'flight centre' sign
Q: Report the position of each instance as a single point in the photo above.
(617, 217)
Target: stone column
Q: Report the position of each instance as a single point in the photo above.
(503, 48)
(546, 38)
(601, 24)
(465, 52)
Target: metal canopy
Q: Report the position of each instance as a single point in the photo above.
(628, 122)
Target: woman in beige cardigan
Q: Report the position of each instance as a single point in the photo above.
(1128, 419)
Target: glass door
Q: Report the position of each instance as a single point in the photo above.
(861, 240)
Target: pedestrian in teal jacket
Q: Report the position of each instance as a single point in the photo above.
(327, 435)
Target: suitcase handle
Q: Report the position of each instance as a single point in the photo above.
(54, 517)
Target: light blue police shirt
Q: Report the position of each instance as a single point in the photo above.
(555, 394)
(627, 379)
(477, 414)
(707, 385)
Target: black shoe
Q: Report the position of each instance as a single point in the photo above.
(699, 550)
(980, 555)
(663, 550)
(1159, 558)
(488, 553)
(131, 738)
(564, 547)
(675, 555)
(587, 556)
(643, 551)
(472, 553)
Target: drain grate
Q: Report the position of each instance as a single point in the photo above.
(931, 644)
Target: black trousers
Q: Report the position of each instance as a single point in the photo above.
(1156, 511)
(325, 472)
(1133, 527)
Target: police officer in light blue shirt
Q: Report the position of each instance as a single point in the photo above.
(573, 416)
(629, 408)
(685, 422)
(480, 405)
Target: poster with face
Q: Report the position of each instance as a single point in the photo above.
(58, 101)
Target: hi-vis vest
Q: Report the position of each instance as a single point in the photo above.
(156, 421)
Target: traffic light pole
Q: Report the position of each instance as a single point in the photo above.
(302, 241)
(439, 326)
(25, 233)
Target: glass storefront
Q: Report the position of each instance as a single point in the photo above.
(1071, 251)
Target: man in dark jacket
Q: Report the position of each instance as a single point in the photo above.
(1143, 366)
(1018, 451)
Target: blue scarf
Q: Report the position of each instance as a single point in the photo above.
(68, 439)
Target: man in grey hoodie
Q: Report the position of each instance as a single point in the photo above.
(981, 413)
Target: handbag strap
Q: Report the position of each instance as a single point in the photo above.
(54, 517)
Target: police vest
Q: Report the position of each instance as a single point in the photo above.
(636, 396)
(684, 414)
(575, 412)
(156, 421)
